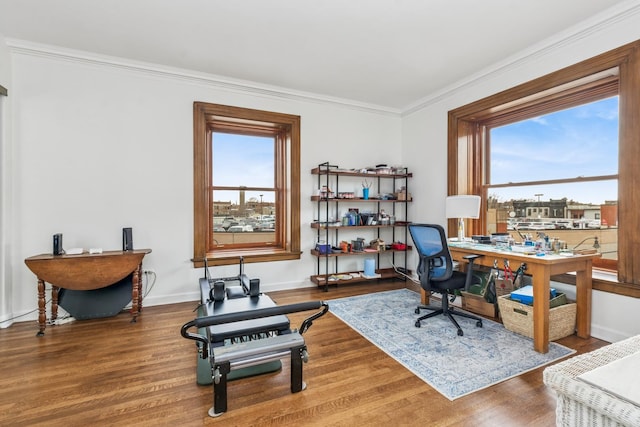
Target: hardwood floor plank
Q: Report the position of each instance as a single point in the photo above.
(114, 372)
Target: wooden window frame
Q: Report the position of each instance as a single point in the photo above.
(467, 156)
(206, 118)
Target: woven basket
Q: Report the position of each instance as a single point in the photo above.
(518, 317)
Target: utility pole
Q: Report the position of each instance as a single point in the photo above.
(261, 208)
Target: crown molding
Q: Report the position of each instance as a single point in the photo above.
(609, 18)
(597, 23)
(28, 48)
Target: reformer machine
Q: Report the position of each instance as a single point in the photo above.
(242, 332)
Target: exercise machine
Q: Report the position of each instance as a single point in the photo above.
(242, 332)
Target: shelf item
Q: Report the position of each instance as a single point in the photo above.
(381, 217)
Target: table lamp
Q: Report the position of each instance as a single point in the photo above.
(461, 207)
(596, 243)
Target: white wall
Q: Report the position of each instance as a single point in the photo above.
(5, 185)
(5, 63)
(98, 147)
(425, 139)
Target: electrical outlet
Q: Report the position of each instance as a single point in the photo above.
(149, 271)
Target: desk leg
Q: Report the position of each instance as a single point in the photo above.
(135, 294)
(583, 301)
(42, 309)
(541, 288)
(424, 297)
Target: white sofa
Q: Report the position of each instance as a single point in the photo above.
(580, 404)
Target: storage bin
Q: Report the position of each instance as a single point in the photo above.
(518, 317)
(525, 294)
(323, 249)
(477, 304)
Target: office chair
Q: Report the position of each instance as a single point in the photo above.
(436, 274)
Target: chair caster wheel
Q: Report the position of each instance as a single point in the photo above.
(417, 324)
(479, 323)
(417, 311)
(460, 333)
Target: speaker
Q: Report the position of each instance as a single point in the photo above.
(57, 244)
(127, 239)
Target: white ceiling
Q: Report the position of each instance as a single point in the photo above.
(386, 53)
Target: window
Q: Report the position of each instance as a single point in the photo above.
(474, 135)
(244, 189)
(562, 165)
(246, 185)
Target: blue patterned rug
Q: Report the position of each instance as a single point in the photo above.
(453, 365)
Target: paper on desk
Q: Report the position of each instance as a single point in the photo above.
(615, 378)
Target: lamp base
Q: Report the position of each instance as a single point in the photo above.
(461, 229)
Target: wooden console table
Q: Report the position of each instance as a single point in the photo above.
(85, 272)
(542, 268)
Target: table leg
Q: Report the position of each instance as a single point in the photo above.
(54, 302)
(135, 292)
(140, 288)
(42, 310)
(583, 301)
(541, 288)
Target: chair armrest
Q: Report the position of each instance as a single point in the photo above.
(471, 258)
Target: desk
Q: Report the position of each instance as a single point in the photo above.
(541, 268)
(85, 272)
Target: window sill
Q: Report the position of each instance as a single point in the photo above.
(230, 257)
(604, 281)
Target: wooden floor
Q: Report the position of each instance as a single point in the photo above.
(113, 372)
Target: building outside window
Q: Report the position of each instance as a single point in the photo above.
(564, 162)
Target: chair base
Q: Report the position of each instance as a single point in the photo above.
(449, 312)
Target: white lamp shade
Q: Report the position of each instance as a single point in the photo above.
(464, 206)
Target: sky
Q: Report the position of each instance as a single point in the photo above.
(243, 160)
(580, 141)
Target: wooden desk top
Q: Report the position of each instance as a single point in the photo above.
(492, 251)
(85, 271)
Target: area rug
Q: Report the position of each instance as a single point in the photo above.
(455, 366)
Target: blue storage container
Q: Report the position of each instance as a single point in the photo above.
(524, 295)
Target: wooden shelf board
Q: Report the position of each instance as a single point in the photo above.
(385, 273)
(323, 226)
(340, 254)
(322, 171)
(355, 199)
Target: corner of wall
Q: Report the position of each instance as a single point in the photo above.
(6, 309)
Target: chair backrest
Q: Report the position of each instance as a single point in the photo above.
(435, 259)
